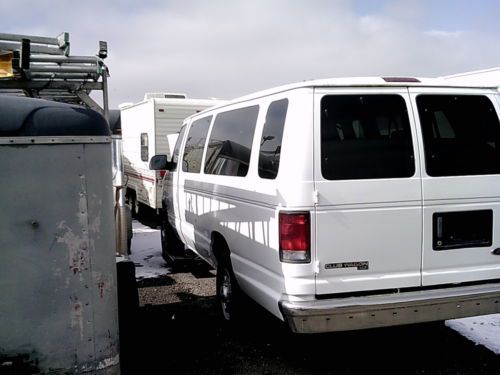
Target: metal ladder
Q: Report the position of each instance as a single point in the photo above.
(42, 67)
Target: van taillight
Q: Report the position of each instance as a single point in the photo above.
(295, 237)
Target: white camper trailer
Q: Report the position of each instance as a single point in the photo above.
(478, 77)
(147, 129)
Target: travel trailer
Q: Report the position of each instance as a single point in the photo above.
(483, 77)
(148, 127)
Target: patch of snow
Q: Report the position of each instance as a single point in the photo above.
(146, 252)
(108, 362)
(482, 330)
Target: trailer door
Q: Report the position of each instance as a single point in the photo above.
(368, 213)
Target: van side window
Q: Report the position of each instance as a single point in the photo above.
(461, 135)
(365, 137)
(144, 147)
(195, 142)
(177, 148)
(270, 143)
(230, 142)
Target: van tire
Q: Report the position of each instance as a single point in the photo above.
(229, 293)
(171, 245)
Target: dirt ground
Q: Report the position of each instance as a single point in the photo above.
(178, 330)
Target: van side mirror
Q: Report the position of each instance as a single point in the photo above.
(160, 162)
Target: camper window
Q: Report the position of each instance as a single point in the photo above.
(144, 147)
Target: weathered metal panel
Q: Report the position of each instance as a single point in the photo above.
(57, 269)
(102, 254)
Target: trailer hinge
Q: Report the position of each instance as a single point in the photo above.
(315, 196)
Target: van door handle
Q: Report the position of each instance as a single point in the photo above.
(496, 251)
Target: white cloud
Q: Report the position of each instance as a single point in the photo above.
(445, 34)
(226, 49)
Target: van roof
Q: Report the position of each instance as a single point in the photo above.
(31, 117)
(388, 81)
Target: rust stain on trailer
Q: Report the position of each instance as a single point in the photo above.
(77, 248)
(77, 315)
(104, 283)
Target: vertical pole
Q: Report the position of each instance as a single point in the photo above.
(105, 102)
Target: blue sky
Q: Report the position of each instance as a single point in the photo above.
(442, 14)
(226, 49)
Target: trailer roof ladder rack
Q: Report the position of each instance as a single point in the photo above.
(42, 67)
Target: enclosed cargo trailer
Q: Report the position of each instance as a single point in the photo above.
(57, 238)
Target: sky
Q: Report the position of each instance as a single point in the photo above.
(226, 49)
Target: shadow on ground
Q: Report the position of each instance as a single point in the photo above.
(182, 333)
(189, 337)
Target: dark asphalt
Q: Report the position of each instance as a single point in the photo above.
(177, 330)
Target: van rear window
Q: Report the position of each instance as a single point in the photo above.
(461, 135)
(270, 142)
(230, 143)
(365, 137)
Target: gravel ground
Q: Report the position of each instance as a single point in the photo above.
(192, 280)
(179, 331)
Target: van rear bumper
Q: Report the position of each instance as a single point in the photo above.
(342, 314)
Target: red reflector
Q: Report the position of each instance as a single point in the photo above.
(162, 173)
(295, 237)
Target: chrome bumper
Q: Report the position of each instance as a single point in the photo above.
(353, 313)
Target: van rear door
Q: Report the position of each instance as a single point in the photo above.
(367, 179)
(461, 184)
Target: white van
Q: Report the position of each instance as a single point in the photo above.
(346, 203)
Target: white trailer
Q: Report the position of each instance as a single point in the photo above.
(478, 77)
(147, 127)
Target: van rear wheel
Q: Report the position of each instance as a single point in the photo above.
(228, 291)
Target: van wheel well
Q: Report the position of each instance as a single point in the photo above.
(229, 294)
(220, 249)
